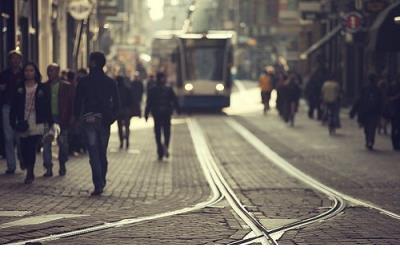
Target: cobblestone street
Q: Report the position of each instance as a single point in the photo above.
(144, 190)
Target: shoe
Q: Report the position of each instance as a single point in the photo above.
(29, 179)
(160, 158)
(166, 152)
(10, 172)
(48, 173)
(97, 192)
(63, 170)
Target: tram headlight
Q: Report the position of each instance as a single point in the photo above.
(189, 87)
(220, 87)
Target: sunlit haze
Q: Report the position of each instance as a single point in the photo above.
(156, 9)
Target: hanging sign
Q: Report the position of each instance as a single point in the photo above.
(80, 9)
(353, 22)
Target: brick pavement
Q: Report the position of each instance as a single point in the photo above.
(343, 163)
(138, 185)
(210, 226)
(261, 186)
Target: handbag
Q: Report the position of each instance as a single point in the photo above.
(23, 126)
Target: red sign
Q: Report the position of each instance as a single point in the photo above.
(353, 22)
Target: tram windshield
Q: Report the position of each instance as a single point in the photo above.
(205, 61)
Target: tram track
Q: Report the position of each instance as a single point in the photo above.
(341, 200)
(219, 188)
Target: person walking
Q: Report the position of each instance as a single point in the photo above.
(266, 85)
(313, 91)
(76, 139)
(9, 80)
(331, 99)
(394, 104)
(368, 107)
(62, 100)
(30, 115)
(161, 103)
(291, 98)
(124, 118)
(151, 82)
(138, 90)
(384, 121)
(96, 107)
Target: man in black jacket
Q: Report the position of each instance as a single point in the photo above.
(161, 102)
(10, 79)
(97, 106)
(368, 107)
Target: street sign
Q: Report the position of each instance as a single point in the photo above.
(80, 9)
(353, 22)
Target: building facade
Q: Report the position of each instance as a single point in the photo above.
(45, 32)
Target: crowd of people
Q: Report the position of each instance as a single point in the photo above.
(288, 88)
(76, 110)
(376, 107)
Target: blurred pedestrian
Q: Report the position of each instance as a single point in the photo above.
(331, 100)
(137, 93)
(76, 137)
(394, 104)
(71, 78)
(64, 75)
(9, 80)
(266, 84)
(161, 103)
(30, 115)
(126, 106)
(62, 100)
(384, 120)
(368, 107)
(291, 98)
(151, 82)
(281, 87)
(97, 106)
(313, 91)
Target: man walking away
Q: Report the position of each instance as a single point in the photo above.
(96, 106)
(9, 80)
(62, 101)
(330, 97)
(368, 107)
(125, 115)
(161, 102)
(313, 92)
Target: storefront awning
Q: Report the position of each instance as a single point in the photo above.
(384, 35)
(321, 42)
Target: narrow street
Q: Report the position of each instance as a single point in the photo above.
(214, 166)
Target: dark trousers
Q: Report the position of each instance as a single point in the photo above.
(314, 104)
(396, 133)
(162, 124)
(124, 131)
(62, 141)
(370, 125)
(28, 149)
(97, 143)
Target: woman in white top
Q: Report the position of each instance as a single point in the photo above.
(30, 115)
